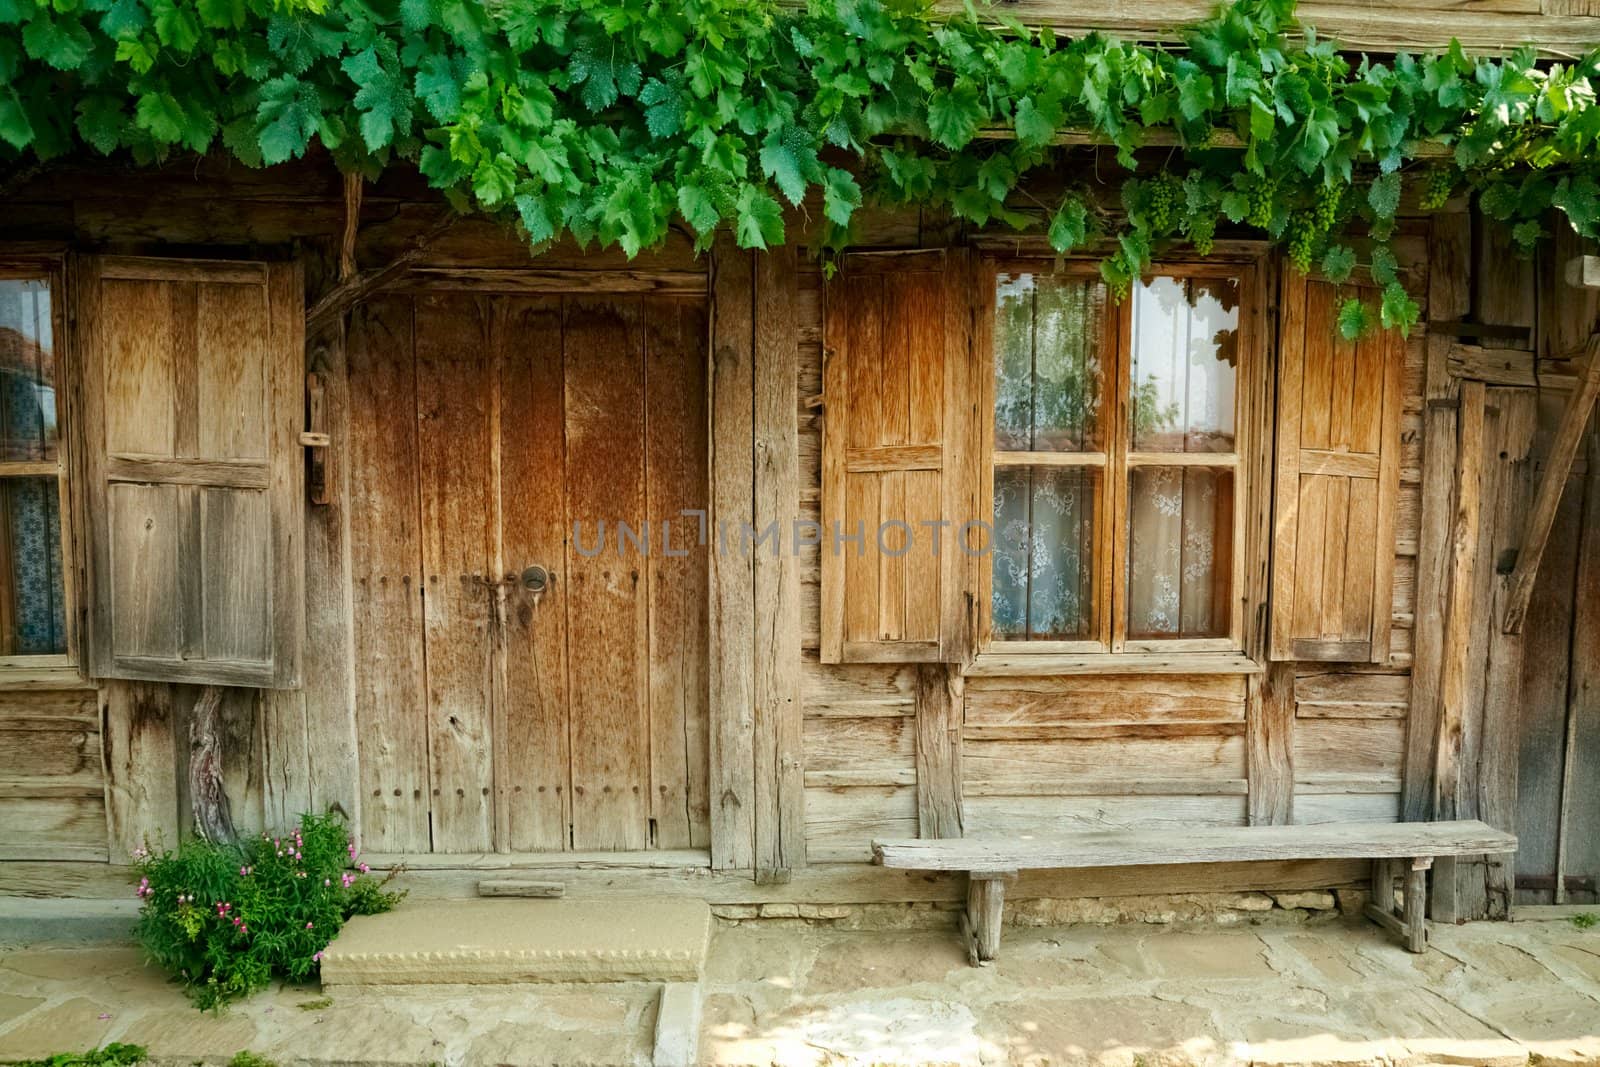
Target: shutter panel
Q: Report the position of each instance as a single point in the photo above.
(193, 404)
(898, 410)
(1338, 479)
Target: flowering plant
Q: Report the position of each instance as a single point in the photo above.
(227, 918)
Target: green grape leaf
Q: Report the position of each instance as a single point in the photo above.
(15, 128)
(1397, 310)
(1354, 319)
(840, 196)
(1338, 262)
(954, 115)
(758, 220)
(1384, 195)
(1069, 226)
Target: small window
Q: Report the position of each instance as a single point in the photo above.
(32, 572)
(1115, 460)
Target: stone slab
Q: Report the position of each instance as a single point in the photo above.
(678, 1026)
(508, 941)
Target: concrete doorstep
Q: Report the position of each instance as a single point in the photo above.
(512, 940)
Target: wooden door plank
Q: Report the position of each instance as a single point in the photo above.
(534, 781)
(385, 576)
(676, 482)
(453, 458)
(607, 610)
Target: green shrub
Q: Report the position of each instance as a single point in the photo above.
(1585, 920)
(225, 919)
(113, 1055)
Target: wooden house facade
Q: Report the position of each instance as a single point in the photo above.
(624, 570)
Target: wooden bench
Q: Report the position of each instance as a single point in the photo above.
(1397, 849)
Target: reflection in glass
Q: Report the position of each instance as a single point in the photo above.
(1044, 552)
(1047, 363)
(1180, 555)
(1185, 338)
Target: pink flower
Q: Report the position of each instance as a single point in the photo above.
(316, 957)
(364, 868)
(308, 926)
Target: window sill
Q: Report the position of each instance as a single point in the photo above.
(52, 677)
(994, 664)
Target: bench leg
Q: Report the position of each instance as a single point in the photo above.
(1383, 875)
(1416, 904)
(980, 924)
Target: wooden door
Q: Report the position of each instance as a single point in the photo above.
(530, 601)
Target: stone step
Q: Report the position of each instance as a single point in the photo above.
(510, 940)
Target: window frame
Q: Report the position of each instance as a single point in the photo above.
(1111, 648)
(57, 669)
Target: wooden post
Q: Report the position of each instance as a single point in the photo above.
(1582, 683)
(1382, 893)
(940, 705)
(778, 745)
(1416, 903)
(732, 463)
(1269, 742)
(212, 819)
(1464, 538)
(138, 726)
(985, 914)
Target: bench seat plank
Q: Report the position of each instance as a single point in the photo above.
(1218, 844)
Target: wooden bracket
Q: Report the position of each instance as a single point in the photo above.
(316, 439)
(336, 301)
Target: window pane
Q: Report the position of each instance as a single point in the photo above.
(1047, 363)
(1180, 554)
(32, 524)
(1185, 357)
(1044, 552)
(27, 372)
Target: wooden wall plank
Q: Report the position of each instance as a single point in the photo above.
(535, 787)
(607, 620)
(732, 751)
(139, 725)
(676, 482)
(386, 578)
(779, 761)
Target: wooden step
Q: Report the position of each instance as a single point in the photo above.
(511, 940)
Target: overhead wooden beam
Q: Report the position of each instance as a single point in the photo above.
(342, 297)
(1543, 516)
(1383, 29)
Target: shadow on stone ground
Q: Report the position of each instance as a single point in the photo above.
(1333, 991)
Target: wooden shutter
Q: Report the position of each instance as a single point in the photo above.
(1338, 479)
(898, 409)
(193, 404)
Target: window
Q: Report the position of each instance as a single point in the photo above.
(32, 571)
(1115, 457)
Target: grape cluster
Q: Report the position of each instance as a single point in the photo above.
(1305, 232)
(1163, 204)
(1261, 195)
(1441, 183)
(1202, 230)
(1326, 207)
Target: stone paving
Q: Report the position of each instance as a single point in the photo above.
(1272, 990)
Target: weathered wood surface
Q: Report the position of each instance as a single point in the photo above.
(1270, 745)
(1558, 462)
(53, 802)
(940, 698)
(193, 377)
(521, 887)
(212, 816)
(1201, 845)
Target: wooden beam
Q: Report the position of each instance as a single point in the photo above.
(336, 301)
(1269, 743)
(1354, 27)
(940, 702)
(779, 756)
(1464, 537)
(732, 682)
(1563, 449)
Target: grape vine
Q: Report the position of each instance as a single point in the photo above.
(613, 120)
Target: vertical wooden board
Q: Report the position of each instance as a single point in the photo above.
(732, 770)
(1317, 373)
(1336, 551)
(234, 556)
(1464, 536)
(606, 612)
(1369, 362)
(535, 782)
(232, 357)
(1357, 592)
(1308, 583)
(1344, 388)
(137, 330)
(1546, 677)
(454, 390)
(779, 759)
(1285, 517)
(139, 741)
(885, 544)
(863, 495)
(923, 581)
(145, 536)
(1580, 829)
(1269, 745)
(386, 579)
(940, 710)
(864, 333)
(676, 481)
